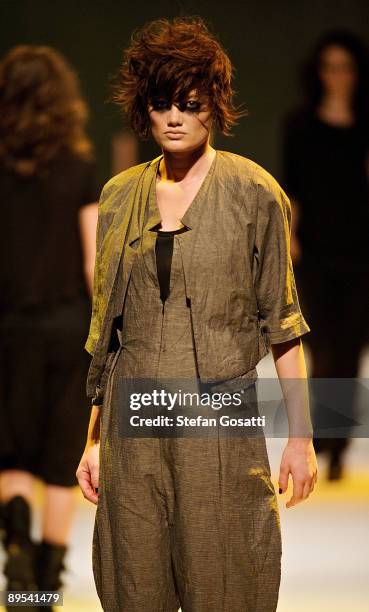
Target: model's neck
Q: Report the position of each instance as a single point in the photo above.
(339, 103)
(186, 166)
(336, 109)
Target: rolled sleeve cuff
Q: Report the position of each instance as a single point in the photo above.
(290, 328)
(98, 398)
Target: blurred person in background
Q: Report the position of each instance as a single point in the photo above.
(325, 173)
(48, 193)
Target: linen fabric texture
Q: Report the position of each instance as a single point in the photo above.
(238, 271)
(190, 523)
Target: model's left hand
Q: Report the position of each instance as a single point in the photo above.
(300, 461)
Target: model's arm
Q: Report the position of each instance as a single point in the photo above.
(295, 243)
(88, 222)
(88, 470)
(299, 457)
(93, 434)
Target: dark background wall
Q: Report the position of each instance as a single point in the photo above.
(266, 41)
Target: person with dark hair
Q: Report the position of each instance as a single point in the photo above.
(193, 283)
(325, 173)
(49, 192)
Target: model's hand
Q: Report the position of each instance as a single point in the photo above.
(88, 472)
(300, 461)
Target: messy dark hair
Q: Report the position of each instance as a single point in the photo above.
(41, 109)
(171, 58)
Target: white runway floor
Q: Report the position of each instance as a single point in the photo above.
(325, 563)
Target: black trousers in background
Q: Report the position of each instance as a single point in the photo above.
(44, 411)
(335, 302)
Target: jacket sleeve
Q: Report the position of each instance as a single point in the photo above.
(95, 322)
(98, 398)
(280, 316)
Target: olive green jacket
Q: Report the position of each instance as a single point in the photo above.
(238, 270)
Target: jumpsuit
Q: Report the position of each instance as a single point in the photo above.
(188, 523)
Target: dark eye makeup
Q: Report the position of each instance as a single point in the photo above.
(163, 104)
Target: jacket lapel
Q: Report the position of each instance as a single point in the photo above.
(192, 242)
(128, 226)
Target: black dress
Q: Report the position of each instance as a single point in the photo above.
(326, 171)
(44, 319)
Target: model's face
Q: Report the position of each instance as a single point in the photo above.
(181, 127)
(337, 71)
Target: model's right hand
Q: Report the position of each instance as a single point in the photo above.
(88, 472)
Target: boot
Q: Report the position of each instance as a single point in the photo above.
(320, 445)
(49, 566)
(335, 469)
(19, 568)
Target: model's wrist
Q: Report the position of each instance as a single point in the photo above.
(296, 441)
(90, 443)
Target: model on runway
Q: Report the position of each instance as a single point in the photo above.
(193, 281)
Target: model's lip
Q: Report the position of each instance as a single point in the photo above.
(175, 133)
